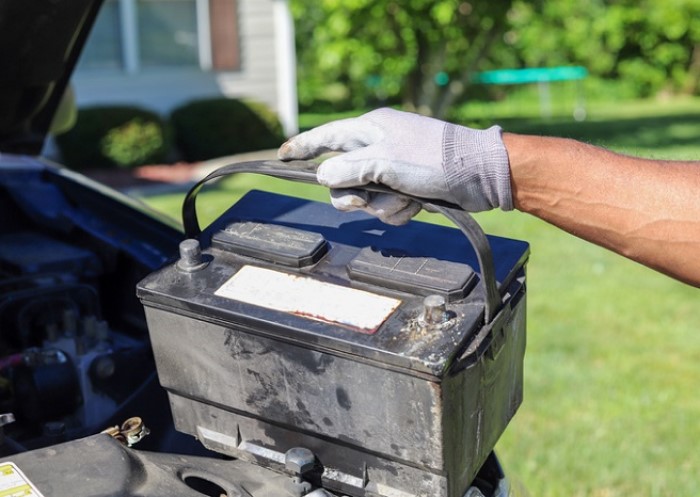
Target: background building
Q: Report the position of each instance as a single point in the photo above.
(159, 54)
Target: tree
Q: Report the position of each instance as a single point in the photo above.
(423, 52)
(651, 45)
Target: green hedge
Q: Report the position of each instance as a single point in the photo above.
(205, 129)
(110, 136)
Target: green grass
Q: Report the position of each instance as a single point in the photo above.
(672, 134)
(611, 369)
(613, 361)
(311, 120)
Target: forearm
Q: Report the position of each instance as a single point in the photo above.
(646, 210)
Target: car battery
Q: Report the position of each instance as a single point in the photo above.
(393, 354)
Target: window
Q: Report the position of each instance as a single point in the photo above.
(140, 35)
(104, 47)
(167, 31)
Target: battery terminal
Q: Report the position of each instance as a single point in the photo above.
(191, 257)
(435, 316)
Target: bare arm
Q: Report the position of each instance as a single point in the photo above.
(646, 210)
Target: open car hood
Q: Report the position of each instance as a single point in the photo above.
(41, 40)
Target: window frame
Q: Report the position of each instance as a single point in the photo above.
(130, 41)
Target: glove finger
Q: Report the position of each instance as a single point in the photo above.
(338, 136)
(356, 168)
(347, 199)
(391, 209)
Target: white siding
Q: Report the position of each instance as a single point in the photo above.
(259, 76)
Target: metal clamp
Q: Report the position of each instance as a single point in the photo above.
(131, 432)
(305, 171)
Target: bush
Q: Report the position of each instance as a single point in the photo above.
(216, 127)
(118, 136)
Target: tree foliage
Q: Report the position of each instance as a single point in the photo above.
(420, 51)
(652, 45)
(423, 53)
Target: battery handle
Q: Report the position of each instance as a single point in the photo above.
(305, 172)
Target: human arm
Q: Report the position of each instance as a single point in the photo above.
(646, 210)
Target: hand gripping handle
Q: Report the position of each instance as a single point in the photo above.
(305, 171)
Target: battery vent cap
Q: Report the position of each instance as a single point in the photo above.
(417, 275)
(272, 243)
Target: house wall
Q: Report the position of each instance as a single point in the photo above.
(266, 71)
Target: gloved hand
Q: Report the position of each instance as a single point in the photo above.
(410, 153)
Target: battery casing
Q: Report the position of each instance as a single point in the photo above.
(390, 405)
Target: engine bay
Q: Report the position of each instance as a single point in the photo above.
(74, 349)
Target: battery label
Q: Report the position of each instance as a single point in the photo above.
(310, 298)
(13, 483)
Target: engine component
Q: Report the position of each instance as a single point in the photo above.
(46, 387)
(5, 419)
(131, 431)
(33, 253)
(69, 371)
(117, 471)
(310, 328)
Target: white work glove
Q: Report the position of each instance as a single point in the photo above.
(409, 153)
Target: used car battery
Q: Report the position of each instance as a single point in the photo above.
(379, 348)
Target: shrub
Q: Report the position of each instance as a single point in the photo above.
(216, 127)
(112, 136)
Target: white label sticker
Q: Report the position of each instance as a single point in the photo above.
(310, 298)
(13, 483)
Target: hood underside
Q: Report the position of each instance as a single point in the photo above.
(41, 41)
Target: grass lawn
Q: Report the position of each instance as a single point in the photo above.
(613, 355)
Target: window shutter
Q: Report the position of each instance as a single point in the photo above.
(225, 45)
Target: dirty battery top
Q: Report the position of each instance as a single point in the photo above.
(340, 282)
